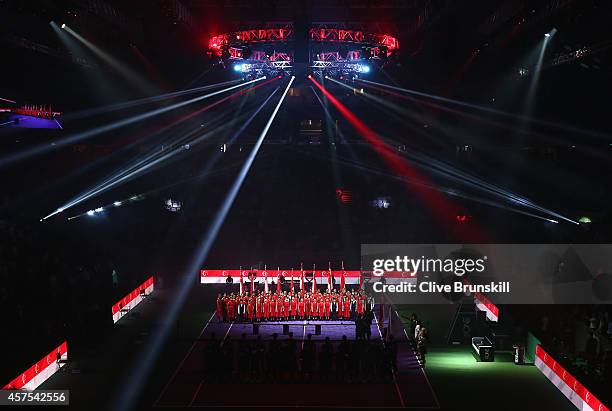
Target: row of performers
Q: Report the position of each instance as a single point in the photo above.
(262, 306)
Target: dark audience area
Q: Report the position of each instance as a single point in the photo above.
(265, 360)
(580, 338)
(53, 290)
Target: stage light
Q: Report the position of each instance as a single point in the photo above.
(547, 35)
(113, 126)
(362, 68)
(147, 100)
(344, 196)
(382, 203)
(135, 379)
(238, 67)
(91, 212)
(99, 209)
(126, 71)
(63, 25)
(149, 161)
(7, 100)
(117, 203)
(463, 218)
(173, 205)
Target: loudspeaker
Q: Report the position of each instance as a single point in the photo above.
(285, 329)
(255, 329)
(318, 329)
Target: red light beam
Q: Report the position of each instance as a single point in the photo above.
(443, 209)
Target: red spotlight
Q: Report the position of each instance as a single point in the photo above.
(344, 196)
(444, 210)
(463, 218)
(309, 76)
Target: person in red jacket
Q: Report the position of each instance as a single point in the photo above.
(307, 306)
(360, 306)
(281, 307)
(321, 308)
(286, 308)
(340, 307)
(259, 308)
(250, 310)
(219, 308)
(328, 301)
(266, 308)
(314, 308)
(293, 308)
(273, 308)
(347, 307)
(300, 308)
(231, 309)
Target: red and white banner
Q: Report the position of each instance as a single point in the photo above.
(131, 300)
(38, 373)
(350, 277)
(484, 304)
(566, 383)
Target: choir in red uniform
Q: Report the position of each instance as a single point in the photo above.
(262, 306)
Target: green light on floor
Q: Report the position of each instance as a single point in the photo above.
(452, 359)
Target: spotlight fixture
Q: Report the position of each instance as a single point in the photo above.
(91, 212)
(63, 25)
(382, 203)
(547, 35)
(117, 203)
(173, 205)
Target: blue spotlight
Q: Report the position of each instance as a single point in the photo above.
(91, 212)
(241, 67)
(99, 209)
(117, 203)
(364, 68)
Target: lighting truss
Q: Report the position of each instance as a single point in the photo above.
(269, 51)
(343, 68)
(317, 33)
(263, 68)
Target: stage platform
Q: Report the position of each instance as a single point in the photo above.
(409, 387)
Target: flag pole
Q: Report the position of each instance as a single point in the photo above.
(329, 279)
(241, 281)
